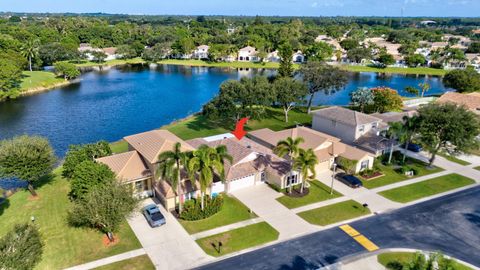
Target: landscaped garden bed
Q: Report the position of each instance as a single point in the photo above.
(317, 192)
(335, 213)
(427, 188)
(397, 171)
(232, 211)
(238, 239)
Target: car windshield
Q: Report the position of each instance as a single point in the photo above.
(157, 216)
(352, 179)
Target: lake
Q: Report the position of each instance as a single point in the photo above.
(113, 103)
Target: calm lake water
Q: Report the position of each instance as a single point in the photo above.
(113, 103)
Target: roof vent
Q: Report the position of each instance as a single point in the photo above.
(249, 146)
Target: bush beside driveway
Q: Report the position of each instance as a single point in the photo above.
(238, 239)
(427, 188)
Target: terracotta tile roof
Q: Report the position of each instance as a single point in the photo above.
(353, 153)
(248, 49)
(323, 155)
(127, 166)
(345, 116)
(312, 139)
(151, 143)
(110, 50)
(168, 191)
(471, 101)
(391, 117)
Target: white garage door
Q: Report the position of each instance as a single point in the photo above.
(242, 183)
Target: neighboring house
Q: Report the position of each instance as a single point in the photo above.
(252, 164)
(471, 100)
(353, 128)
(298, 57)
(391, 48)
(248, 54)
(273, 57)
(201, 52)
(462, 42)
(326, 147)
(438, 45)
(473, 60)
(393, 117)
(86, 48)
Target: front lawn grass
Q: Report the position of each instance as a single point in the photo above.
(32, 80)
(138, 263)
(64, 245)
(391, 176)
(238, 239)
(233, 211)
(454, 159)
(395, 258)
(318, 192)
(426, 188)
(335, 213)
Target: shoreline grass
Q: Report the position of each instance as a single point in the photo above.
(427, 188)
(238, 239)
(64, 245)
(39, 80)
(396, 70)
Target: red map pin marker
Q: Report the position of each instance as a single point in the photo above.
(239, 132)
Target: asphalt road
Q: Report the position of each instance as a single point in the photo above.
(450, 224)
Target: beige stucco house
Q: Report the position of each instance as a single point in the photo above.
(354, 128)
(327, 148)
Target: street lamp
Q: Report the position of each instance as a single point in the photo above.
(333, 176)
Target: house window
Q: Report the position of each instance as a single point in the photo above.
(361, 128)
(263, 176)
(139, 186)
(374, 125)
(364, 165)
(292, 180)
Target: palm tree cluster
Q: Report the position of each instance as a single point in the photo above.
(301, 160)
(201, 165)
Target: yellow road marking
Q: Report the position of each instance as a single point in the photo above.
(349, 230)
(362, 240)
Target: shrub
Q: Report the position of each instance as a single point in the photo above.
(192, 209)
(21, 248)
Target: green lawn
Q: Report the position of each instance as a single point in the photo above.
(398, 70)
(334, 213)
(119, 146)
(405, 257)
(454, 159)
(318, 192)
(391, 176)
(138, 263)
(235, 64)
(426, 188)
(115, 62)
(233, 211)
(39, 79)
(238, 239)
(64, 245)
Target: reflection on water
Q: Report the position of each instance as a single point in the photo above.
(114, 102)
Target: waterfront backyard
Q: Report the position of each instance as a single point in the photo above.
(121, 101)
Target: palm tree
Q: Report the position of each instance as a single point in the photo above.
(171, 163)
(409, 129)
(288, 147)
(30, 50)
(207, 161)
(395, 132)
(305, 163)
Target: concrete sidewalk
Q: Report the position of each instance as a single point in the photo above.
(109, 260)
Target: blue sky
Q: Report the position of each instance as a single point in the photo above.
(469, 8)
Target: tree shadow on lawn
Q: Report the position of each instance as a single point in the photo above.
(4, 204)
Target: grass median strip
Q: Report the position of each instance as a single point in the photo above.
(238, 239)
(233, 211)
(317, 192)
(397, 259)
(138, 263)
(427, 188)
(334, 213)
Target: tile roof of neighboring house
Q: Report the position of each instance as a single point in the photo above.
(169, 192)
(439, 44)
(248, 49)
(353, 153)
(312, 138)
(471, 101)
(391, 117)
(346, 116)
(127, 166)
(110, 50)
(151, 143)
(373, 143)
(473, 57)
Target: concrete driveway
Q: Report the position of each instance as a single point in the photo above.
(261, 199)
(168, 246)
